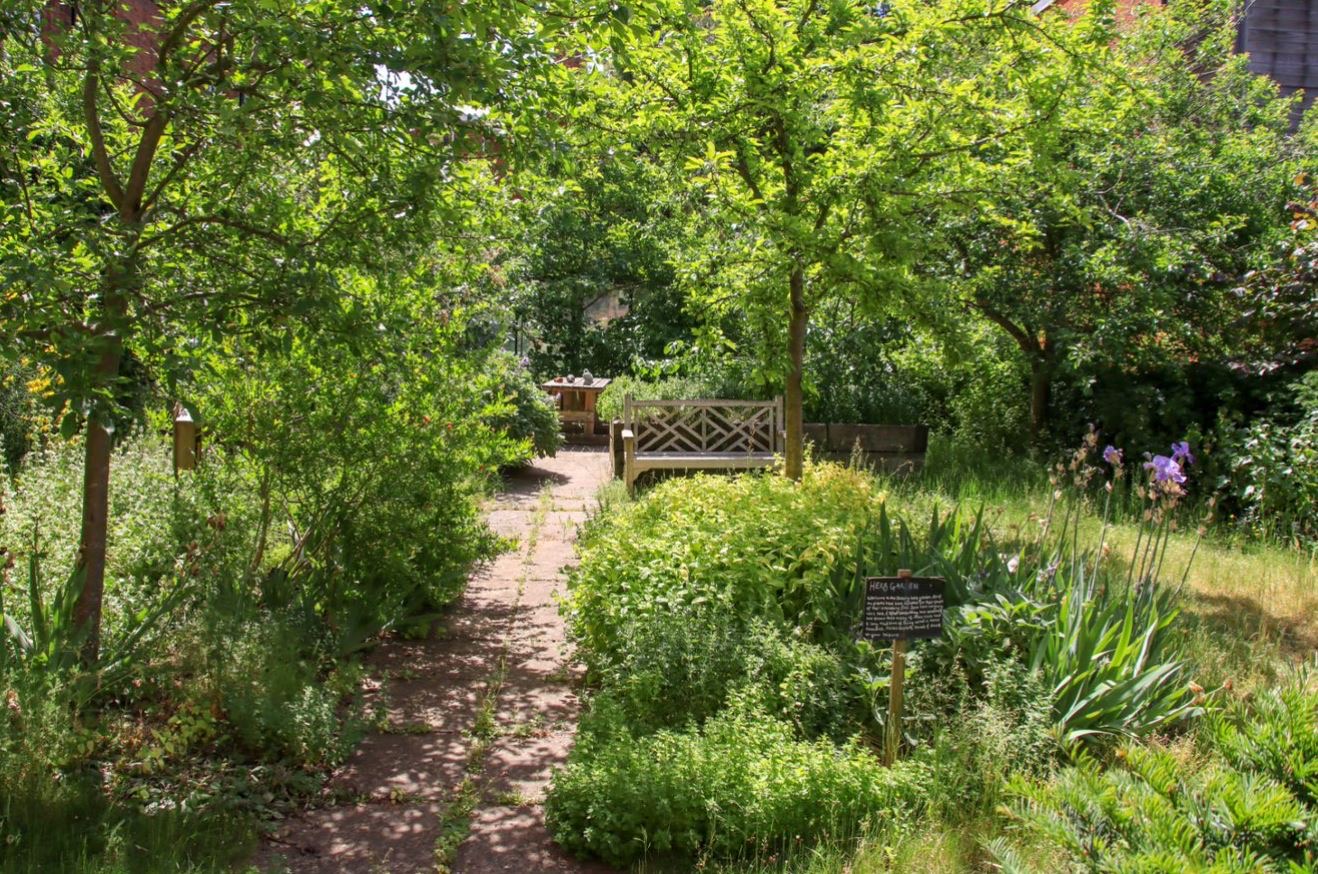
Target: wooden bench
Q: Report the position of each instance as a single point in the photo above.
(702, 434)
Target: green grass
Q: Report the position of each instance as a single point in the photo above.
(73, 830)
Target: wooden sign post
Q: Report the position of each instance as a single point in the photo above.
(898, 609)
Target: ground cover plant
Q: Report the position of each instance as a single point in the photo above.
(1244, 803)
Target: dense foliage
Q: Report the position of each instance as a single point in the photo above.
(335, 500)
(1249, 807)
(351, 239)
(591, 275)
(1113, 249)
(1116, 243)
(740, 784)
(518, 407)
(714, 599)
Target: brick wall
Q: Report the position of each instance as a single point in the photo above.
(1126, 9)
(143, 17)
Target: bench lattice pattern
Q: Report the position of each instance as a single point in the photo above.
(704, 428)
(699, 434)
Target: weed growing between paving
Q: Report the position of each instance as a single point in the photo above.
(455, 821)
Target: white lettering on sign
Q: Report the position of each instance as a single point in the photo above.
(899, 608)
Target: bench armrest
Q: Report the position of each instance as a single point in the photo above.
(629, 458)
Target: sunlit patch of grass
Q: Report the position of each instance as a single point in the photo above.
(1250, 609)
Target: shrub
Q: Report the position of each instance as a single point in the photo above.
(171, 540)
(979, 741)
(1155, 812)
(712, 604)
(268, 685)
(672, 388)
(378, 485)
(37, 732)
(1273, 469)
(1245, 803)
(851, 374)
(519, 408)
(684, 671)
(749, 546)
(741, 785)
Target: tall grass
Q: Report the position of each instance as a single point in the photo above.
(1250, 607)
(73, 829)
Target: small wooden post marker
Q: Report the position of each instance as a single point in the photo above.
(897, 609)
(185, 440)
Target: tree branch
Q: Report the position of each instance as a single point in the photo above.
(113, 189)
(142, 161)
(179, 161)
(224, 221)
(744, 170)
(175, 36)
(1028, 343)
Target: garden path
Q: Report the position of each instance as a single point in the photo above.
(477, 715)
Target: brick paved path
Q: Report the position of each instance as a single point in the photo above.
(477, 716)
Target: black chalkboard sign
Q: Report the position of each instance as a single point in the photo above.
(901, 608)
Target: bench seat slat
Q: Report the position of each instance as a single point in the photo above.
(703, 459)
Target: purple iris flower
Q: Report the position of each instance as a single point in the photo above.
(1181, 452)
(1112, 455)
(1165, 469)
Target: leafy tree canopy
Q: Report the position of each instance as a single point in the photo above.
(1115, 238)
(823, 135)
(219, 168)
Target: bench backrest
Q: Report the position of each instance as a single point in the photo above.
(705, 426)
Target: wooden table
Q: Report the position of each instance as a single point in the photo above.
(576, 400)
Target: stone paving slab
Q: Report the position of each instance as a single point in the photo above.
(513, 840)
(537, 705)
(412, 766)
(361, 839)
(536, 624)
(433, 656)
(532, 701)
(523, 765)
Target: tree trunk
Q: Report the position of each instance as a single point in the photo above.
(91, 552)
(1041, 382)
(96, 485)
(794, 451)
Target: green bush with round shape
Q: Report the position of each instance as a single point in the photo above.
(520, 408)
(748, 546)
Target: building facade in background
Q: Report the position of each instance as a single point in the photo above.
(1280, 37)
